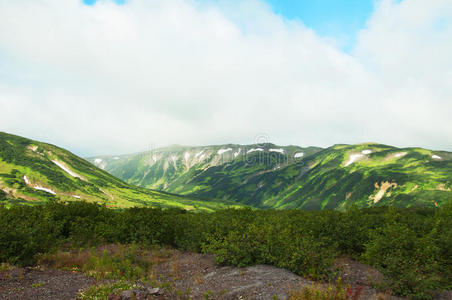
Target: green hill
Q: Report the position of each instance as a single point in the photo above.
(211, 172)
(32, 172)
(270, 176)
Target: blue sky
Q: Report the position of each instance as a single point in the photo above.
(92, 2)
(332, 18)
(340, 20)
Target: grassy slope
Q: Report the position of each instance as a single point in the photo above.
(21, 157)
(205, 172)
(409, 177)
(320, 180)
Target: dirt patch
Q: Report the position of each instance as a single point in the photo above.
(25, 283)
(385, 185)
(199, 274)
(6, 190)
(414, 188)
(184, 275)
(442, 187)
(32, 148)
(107, 194)
(358, 275)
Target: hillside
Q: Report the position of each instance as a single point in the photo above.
(366, 175)
(293, 177)
(34, 172)
(212, 172)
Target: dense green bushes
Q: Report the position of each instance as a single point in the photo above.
(2, 195)
(412, 247)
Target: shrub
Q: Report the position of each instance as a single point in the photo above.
(409, 261)
(410, 246)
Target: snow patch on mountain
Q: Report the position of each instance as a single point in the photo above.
(98, 160)
(353, 158)
(186, 156)
(277, 150)
(40, 188)
(76, 196)
(221, 151)
(366, 152)
(199, 154)
(26, 180)
(298, 155)
(174, 158)
(254, 150)
(62, 166)
(237, 152)
(400, 154)
(436, 157)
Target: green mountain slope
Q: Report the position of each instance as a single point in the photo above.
(199, 170)
(211, 172)
(34, 172)
(278, 177)
(365, 175)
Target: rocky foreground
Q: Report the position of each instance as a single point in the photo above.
(186, 275)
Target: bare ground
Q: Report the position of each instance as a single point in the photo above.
(25, 283)
(193, 275)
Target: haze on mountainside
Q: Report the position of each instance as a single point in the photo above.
(109, 78)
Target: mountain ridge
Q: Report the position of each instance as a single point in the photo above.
(33, 172)
(374, 174)
(209, 177)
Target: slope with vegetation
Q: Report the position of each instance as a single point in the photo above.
(212, 171)
(270, 176)
(32, 172)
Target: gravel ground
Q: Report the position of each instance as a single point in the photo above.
(199, 272)
(20, 283)
(192, 275)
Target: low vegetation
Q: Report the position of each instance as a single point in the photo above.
(412, 247)
(106, 262)
(333, 292)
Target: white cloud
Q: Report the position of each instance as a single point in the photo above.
(112, 79)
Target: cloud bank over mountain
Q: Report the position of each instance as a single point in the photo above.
(114, 78)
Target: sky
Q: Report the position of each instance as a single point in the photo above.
(341, 20)
(112, 77)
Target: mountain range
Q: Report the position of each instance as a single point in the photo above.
(271, 176)
(212, 177)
